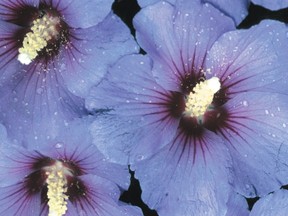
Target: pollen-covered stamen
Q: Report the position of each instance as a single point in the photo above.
(201, 97)
(57, 188)
(42, 30)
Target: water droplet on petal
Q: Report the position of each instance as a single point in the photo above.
(39, 90)
(139, 157)
(245, 103)
(58, 145)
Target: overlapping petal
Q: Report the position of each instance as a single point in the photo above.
(272, 204)
(258, 142)
(236, 9)
(179, 37)
(95, 49)
(13, 203)
(84, 14)
(272, 5)
(237, 205)
(174, 183)
(251, 60)
(141, 103)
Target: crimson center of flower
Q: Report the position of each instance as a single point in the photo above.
(201, 97)
(57, 186)
(43, 30)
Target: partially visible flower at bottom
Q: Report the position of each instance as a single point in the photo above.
(61, 178)
(273, 204)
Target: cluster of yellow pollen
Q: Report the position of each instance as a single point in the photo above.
(42, 30)
(57, 188)
(201, 97)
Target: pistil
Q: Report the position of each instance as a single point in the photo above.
(57, 188)
(201, 97)
(42, 31)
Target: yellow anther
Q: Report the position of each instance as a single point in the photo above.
(42, 30)
(201, 97)
(57, 188)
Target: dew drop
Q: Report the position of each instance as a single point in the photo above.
(245, 103)
(58, 145)
(39, 90)
(139, 157)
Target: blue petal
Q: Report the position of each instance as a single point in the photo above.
(9, 49)
(272, 204)
(131, 92)
(144, 3)
(6, 5)
(17, 202)
(93, 51)
(174, 183)
(272, 5)
(101, 199)
(237, 9)
(237, 205)
(178, 37)
(37, 96)
(15, 163)
(85, 13)
(257, 139)
(251, 60)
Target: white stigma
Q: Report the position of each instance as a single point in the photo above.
(201, 97)
(42, 30)
(57, 188)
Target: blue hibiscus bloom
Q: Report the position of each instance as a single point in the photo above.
(61, 177)
(207, 105)
(52, 52)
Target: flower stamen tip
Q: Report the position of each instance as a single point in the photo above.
(24, 58)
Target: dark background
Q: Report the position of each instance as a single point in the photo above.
(126, 9)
